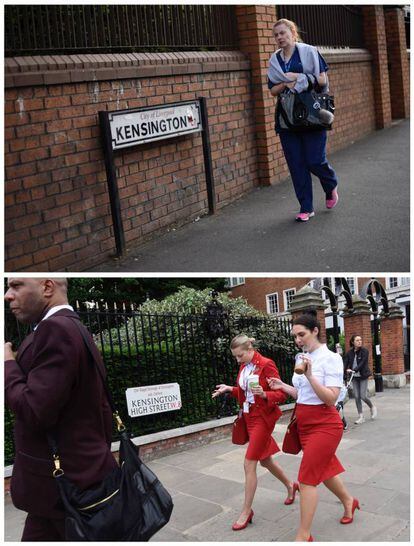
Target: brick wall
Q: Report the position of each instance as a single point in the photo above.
(398, 62)
(376, 42)
(57, 203)
(392, 349)
(254, 290)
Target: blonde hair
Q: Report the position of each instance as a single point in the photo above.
(293, 27)
(242, 341)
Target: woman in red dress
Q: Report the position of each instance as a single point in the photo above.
(260, 411)
(319, 424)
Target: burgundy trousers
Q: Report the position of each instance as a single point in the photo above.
(37, 529)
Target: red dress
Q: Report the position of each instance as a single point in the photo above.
(263, 414)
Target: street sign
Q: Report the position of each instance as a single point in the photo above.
(153, 399)
(125, 128)
(141, 125)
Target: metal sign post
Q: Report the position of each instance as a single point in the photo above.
(112, 184)
(125, 128)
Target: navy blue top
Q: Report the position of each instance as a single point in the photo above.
(294, 65)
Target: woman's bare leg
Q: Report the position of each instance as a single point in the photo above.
(308, 504)
(274, 468)
(249, 489)
(336, 485)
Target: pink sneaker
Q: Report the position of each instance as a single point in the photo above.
(331, 203)
(304, 216)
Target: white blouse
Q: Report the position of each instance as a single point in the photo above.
(328, 369)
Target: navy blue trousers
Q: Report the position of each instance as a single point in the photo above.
(305, 154)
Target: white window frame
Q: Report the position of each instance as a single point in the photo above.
(396, 279)
(269, 312)
(285, 297)
(232, 282)
(401, 281)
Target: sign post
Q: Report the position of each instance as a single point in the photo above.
(125, 128)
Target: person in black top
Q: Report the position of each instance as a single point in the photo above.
(356, 360)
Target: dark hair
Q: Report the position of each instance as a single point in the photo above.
(351, 341)
(309, 321)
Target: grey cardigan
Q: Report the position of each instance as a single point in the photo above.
(310, 61)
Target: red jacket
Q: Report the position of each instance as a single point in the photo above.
(269, 408)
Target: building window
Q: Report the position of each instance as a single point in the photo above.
(235, 281)
(288, 296)
(392, 282)
(352, 283)
(272, 303)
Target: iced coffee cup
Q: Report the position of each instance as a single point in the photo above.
(300, 363)
(253, 381)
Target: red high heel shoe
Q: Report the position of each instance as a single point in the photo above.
(291, 500)
(310, 539)
(239, 526)
(355, 505)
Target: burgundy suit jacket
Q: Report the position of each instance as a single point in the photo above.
(269, 408)
(55, 385)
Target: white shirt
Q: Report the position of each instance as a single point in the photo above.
(327, 367)
(247, 370)
(54, 310)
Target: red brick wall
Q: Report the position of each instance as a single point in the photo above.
(392, 346)
(376, 42)
(57, 203)
(255, 289)
(352, 86)
(398, 62)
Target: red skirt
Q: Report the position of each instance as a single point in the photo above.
(320, 431)
(261, 442)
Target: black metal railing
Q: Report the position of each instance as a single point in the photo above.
(142, 349)
(330, 25)
(43, 29)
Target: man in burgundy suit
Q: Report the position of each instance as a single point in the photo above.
(52, 384)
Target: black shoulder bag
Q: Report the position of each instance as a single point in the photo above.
(130, 504)
(306, 111)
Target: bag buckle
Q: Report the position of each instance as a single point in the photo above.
(58, 470)
(119, 424)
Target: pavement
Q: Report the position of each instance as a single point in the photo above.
(367, 231)
(207, 486)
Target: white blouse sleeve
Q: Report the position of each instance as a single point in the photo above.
(334, 371)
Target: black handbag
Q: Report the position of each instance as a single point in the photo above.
(130, 504)
(306, 111)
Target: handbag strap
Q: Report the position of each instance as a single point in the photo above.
(97, 360)
(293, 416)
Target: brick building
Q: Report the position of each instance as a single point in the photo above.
(57, 205)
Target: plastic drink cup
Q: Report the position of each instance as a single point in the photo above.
(253, 381)
(300, 365)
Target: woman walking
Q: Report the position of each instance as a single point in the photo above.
(319, 425)
(260, 411)
(305, 152)
(356, 360)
